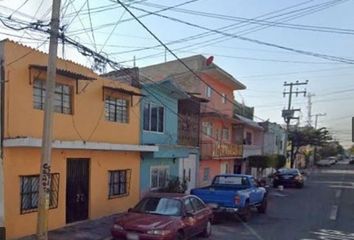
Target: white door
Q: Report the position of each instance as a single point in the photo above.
(224, 168)
(188, 171)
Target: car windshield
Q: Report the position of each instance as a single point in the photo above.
(231, 180)
(290, 171)
(159, 206)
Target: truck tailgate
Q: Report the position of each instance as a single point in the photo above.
(223, 198)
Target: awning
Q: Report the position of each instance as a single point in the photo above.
(122, 90)
(63, 72)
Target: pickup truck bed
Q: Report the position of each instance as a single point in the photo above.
(233, 193)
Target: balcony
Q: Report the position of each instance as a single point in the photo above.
(220, 150)
(251, 150)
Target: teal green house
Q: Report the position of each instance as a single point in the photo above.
(160, 127)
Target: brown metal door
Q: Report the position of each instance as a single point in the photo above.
(77, 189)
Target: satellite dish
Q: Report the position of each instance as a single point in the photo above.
(209, 60)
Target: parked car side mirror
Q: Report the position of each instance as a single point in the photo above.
(189, 214)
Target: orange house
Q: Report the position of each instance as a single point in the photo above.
(96, 151)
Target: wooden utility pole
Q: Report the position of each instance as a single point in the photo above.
(44, 179)
(288, 114)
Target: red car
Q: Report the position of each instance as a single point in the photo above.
(162, 216)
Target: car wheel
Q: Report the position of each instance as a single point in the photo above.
(246, 215)
(263, 207)
(300, 185)
(207, 230)
(180, 236)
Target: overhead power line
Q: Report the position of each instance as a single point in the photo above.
(308, 53)
(255, 21)
(171, 52)
(287, 16)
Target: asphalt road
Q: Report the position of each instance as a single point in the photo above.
(323, 209)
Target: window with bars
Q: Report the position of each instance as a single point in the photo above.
(29, 192)
(153, 118)
(208, 91)
(62, 101)
(119, 183)
(225, 133)
(207, 128)
(116, 109)
(223, 98)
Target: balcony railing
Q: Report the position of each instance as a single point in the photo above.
(249, 150)
(220, 150)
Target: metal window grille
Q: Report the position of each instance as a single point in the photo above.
(29, 192)
(119, 183)
(116, 109)
(62, 101)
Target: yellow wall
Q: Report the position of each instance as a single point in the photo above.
(87, 123)
(88, 119)
(25, 161)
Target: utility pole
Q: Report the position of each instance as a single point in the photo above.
(44, 179)
(317, 116)
(2, 92)
(309, 108)
(316, 119)
(288, 114)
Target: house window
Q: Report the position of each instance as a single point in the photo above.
(207, 128)
(223, 98)
(208, 91)
(62, 100)
(281, 145)
(225, 133)
(29, 192)
(116, 109)
(248, 138)
(206, 174)
(153, 118)
(119, 183)
(159, 176)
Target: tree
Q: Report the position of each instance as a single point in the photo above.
(331, 149)
(277, 161)
(305, 136)
(260, 162)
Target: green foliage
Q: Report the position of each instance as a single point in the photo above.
(263, 162)
(175, 186)
(277, 161)
(305, 136)
(331, 149)
(259, 162)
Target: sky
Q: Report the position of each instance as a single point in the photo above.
(263, 69)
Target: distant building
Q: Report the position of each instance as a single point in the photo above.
(275, 138)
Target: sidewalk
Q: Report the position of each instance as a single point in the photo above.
(98, 229)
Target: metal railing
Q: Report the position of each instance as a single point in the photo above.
(220, 150)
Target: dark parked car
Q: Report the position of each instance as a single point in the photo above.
(162, 216)
(288, 177)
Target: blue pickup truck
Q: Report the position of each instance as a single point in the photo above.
(235, 194)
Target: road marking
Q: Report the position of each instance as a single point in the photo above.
(338, 193)
(333, 214)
